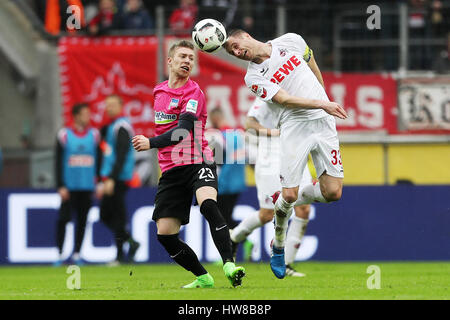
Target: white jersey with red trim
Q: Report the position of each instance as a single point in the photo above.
(287, 68)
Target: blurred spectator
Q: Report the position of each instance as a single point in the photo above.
(107, 18)
(136, 17)
(232, 171)
(117, 172)
(57, 18)
(221, 10)
(183, 18)
(76, 171)
(418, 58)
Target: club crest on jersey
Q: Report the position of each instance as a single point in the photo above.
(282, 52)
(173, 103)
(259, 91)
(163, 118)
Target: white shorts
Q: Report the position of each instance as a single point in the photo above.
(298, 139)
(267, 172)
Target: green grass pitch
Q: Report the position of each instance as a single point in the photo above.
(324, 280)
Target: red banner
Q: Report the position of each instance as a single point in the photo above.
(369, 99)
(92, 68)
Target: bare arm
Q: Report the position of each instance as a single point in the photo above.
(285, 99)
(315, 69)
(251, 123)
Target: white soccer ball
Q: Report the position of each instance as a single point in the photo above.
(209, 35)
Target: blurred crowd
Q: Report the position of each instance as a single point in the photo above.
(315, 20)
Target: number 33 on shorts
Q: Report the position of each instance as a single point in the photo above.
(336, 157)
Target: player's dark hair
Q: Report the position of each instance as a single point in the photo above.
(235, 32)
(76, 109)
(180, 44)
(232, 33)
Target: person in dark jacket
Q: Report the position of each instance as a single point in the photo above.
(116, 173)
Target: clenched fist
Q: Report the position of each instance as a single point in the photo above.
(140, 143)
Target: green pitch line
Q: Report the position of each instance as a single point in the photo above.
(406, 280)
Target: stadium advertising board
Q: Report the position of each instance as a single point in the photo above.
(424, 105)
(369, 223)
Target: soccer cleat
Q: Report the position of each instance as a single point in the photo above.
(248, 247)
(233, 273)
(275, 196)
(203, 281)
(277, 262)
(290, 271)
(134, 246)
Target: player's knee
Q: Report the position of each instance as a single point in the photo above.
(290, 195)
(333, 194)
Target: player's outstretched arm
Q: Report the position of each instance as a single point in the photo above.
(285, 99)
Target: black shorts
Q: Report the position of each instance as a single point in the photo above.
(177, 187)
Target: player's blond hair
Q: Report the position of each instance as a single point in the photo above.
(180, 44)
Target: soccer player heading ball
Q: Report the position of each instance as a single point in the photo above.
(283, 73)
(187, 168)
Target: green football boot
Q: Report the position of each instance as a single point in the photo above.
(203, 281)
(233, 273)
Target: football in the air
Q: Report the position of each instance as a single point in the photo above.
(209, 35)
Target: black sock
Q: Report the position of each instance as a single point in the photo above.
(219, 229)
(181, 253)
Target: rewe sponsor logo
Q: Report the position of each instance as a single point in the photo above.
(285, 70)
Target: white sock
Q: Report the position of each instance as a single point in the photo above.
(283, 211)
(294, 237)
(250, 223)
(309, 194)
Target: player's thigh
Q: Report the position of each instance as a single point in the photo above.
(297, 140)
(168, 225)
(326, 155)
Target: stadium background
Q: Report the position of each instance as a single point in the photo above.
(394, 82)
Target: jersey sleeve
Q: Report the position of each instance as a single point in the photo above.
(261, 87)
(297, 41)
(195, 103)
(256, 110)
